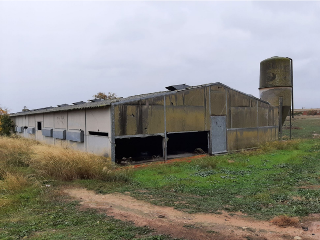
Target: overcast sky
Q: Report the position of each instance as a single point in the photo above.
(63, 52)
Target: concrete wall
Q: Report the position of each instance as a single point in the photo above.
(96, 119)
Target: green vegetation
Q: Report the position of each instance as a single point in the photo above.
(302, 127)
(32, 206)
(260, 184)
(278, 179)
(6, 124)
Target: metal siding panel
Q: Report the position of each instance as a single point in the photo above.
(75, 136)
(31, 130)
(59, 134)
(218, 133)
(263, 116)
(232, 139)
(247, 138)
(47, 132)
(218, 103)
(243, 117)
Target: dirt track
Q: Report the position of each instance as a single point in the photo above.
(178, 224)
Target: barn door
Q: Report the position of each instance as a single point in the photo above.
(218, 134)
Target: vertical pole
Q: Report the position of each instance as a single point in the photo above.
(280, 116)
(113, 141)
(165, 139)
(292, 90)
(290, 124)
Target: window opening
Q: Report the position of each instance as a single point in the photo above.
(39, 126)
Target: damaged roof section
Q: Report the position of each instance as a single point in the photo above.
(177, 87)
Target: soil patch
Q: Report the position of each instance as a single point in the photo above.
(178, 224)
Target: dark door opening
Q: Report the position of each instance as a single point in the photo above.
(138, 149)
(190, 142)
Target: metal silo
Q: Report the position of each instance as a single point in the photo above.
(276, 84)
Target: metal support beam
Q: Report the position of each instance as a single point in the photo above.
(113, 132)
(280, 116)
(165, 139)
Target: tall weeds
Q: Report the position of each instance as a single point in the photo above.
(15, 152)
(68, 164)
(57, 162)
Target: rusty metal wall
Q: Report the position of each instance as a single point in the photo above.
(145, 116)
(242, 138)
(190, 110)
(186, 111)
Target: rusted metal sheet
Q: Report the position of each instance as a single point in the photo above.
(263, 116)
(243, 117)
(239, 100)
(145, 116)
(266, 134)
(185, 111)
(218, 104)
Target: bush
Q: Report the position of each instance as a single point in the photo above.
(6, 125)
(312, 112)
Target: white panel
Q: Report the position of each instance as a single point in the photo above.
(31, 121)
(60, 120)
(98, 120)
(76, 120)
(48, 120)
(99, 145)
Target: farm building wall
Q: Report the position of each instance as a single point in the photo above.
(249, 121)
(90, 121)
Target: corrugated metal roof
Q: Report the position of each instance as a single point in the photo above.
(104, 103)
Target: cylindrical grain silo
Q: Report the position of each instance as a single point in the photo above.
(276, 83)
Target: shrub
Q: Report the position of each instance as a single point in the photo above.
(6, 124)
(312, 112)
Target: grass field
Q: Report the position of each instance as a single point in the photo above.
(281, 178)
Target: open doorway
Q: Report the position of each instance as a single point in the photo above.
(187, 144)
(139, 149)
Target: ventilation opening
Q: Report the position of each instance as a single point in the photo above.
(187, 144)
(139, 149)
(39, 127)
(98, 133)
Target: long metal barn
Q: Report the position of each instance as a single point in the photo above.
(213, 118)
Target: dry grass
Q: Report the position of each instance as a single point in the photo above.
(15, 151)
(285, 221)
(58, 162)
(68, 164)
(13, 182)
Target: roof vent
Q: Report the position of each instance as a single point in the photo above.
(78, 103)
(177, 87)
(63, 105)
(96, 100)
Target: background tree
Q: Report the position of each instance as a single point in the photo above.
(102, 95)
(6, 124)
